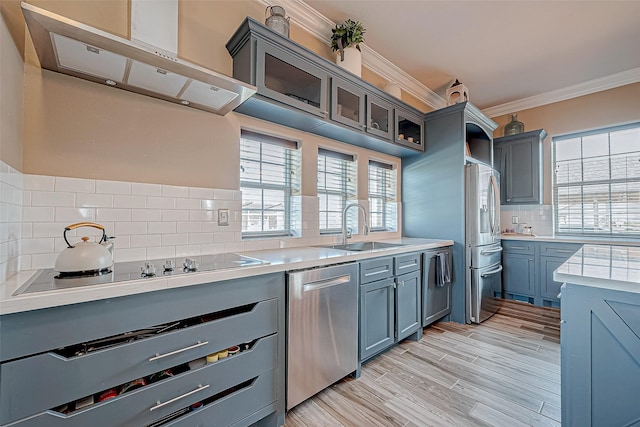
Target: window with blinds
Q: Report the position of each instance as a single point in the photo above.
(336, 187)
(269, 177)
(382, 197)
(596, 188)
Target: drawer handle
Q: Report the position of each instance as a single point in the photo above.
(326, 283)
(490, 251)
(520, 248)
(378, 270)
(189, 393)
(563, 251)
(492, 272)
(191, 347)
(409, 264)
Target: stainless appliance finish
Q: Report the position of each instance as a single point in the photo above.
(322, 323)
(483, 247)
(47, 280)
(70, 47)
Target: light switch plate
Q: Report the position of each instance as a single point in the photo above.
(223, 217)
(514, 220)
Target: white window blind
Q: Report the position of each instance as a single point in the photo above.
(269, 177)
(383, 197)
(336, 186)
(596, 187)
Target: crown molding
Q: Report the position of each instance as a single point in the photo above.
(592, 86)
(320, 27)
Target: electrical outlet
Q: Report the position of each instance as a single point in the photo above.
(223, 217)
(515, 220)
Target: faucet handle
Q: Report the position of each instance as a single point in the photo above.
(365, 229)
(348, 233)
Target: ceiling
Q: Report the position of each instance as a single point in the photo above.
(503, 51)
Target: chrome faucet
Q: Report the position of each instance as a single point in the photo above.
(347, 234)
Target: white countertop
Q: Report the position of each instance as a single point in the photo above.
(279, 259)
(571, 239)
(607, 267)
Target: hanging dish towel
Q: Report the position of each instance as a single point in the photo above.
(443, 269)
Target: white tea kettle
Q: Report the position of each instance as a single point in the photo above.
(85, 257)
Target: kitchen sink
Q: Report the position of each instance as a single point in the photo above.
(363, 246)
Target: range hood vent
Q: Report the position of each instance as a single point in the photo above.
(70, 47)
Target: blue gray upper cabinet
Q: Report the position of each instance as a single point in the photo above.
(518, 158)
(299, 89)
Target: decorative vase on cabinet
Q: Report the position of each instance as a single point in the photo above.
(352, 61)
(514, 126)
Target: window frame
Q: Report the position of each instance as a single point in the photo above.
(386, 199)
(580, 184)
(288, 188)
(344, 192)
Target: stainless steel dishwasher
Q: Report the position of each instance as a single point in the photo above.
(322, 327)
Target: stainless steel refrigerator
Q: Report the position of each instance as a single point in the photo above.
(482, 242)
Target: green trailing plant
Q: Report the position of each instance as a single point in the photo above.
(350, 33)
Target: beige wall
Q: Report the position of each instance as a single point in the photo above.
(601, 109)
(11, 91)
(80, 129)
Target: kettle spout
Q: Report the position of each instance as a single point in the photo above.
(107, 243)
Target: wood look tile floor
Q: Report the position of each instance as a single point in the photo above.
(504, 372)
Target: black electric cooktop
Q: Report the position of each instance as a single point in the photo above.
(49, 280)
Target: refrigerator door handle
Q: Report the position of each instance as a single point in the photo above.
(492, 272)
(496, 205)
(490, 251)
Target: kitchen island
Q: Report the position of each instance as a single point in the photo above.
(600, 330)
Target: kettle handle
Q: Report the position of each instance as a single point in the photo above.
(266, 10)
(84, 224)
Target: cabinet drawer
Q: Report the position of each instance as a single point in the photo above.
(137, 407)
(406, 263)
(518, 246)
(103, 369)
(375, 269)
(260, 393)
(565, 250)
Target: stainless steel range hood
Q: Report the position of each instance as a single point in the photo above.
(76, 49)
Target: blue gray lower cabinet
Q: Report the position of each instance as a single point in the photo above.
(528, 268)
(436, 300)
(390, 305)
(600, 357)
(45, 367)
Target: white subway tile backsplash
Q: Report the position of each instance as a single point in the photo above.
(132, 254)
(161, 202)
(187, 203)
(50, 229)
(94, 200)
(74, 214)
(188, 250)
(124, 201)
(128, 228)
(38, 214)
(226, 194)
(146, 240)
(146, 215)
(50, 198)
(224, 237)
(175, 239)
(37, 246)
(113, 187)
(26, 198)
(175, 215)
(122, 242)
(75, 185)
(200, 216)
(200, 193)
(175, 191)
(189, 227)
(143, 189)
(112, 214)
(212, 248)
(26, 231)
(39, 182)
(159, 227)
(207, 204)
(200, 238)
(161, 252)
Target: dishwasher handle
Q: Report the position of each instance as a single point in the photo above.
(326, 283)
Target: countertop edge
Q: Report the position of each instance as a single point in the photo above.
(281, 260)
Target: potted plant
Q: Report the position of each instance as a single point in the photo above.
(346, 38)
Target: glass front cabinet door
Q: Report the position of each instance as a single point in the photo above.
(291, 80)
(379, 118)
(409, 130)
(347, 104)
